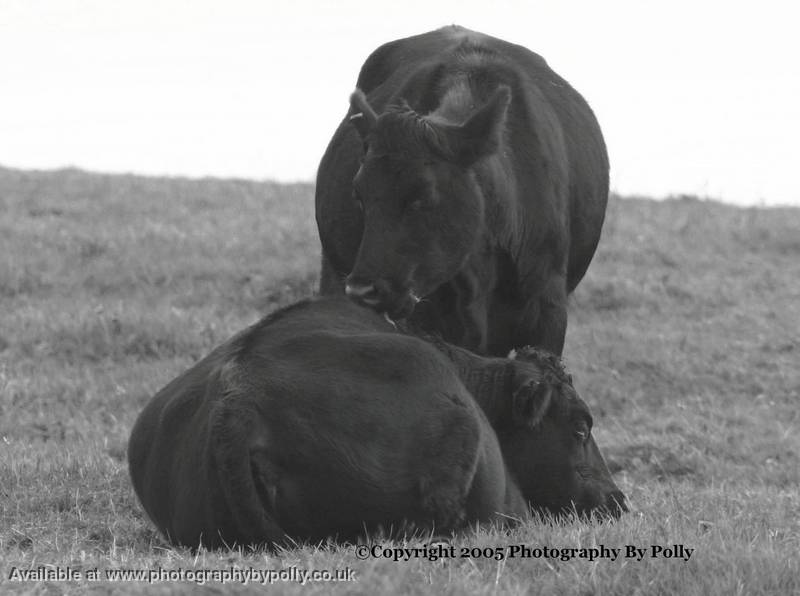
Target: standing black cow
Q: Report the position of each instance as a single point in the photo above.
(323, 420)
(469, 175)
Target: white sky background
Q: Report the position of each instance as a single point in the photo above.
(693, 97)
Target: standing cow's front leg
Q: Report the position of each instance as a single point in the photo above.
(471, 308)
(458, 309)
(331, 283)
(544, 320)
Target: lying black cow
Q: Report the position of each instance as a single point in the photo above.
(323, 420)
(469, 174)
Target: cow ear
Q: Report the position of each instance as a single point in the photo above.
(530, 403)
(480, 135)
(361, 114)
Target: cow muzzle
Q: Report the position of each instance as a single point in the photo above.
(382, 297)
(615, 504)
(610, 506)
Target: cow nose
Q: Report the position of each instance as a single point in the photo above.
(616, 503)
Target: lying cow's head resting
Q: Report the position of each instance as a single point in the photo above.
(421, 206)
(558, 467)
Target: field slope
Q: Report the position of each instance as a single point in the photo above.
(684, 339)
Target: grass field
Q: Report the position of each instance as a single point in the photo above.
(684, 339)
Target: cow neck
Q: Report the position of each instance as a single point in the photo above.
(489, 380)
(491, 385)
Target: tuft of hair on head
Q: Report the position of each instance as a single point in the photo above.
(546, 361)
(480, 135)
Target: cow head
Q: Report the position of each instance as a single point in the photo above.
(548, 445)
(422, 208)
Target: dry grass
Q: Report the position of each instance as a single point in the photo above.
(684, 338)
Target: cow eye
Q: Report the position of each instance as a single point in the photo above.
(416, 198)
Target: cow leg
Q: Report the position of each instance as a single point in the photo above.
(552, 328)
(247, 503)
(495, 496)
(450, 467)
(544, 323)
(471, 312)
(330, 282)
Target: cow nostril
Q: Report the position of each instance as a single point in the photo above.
(616, 503)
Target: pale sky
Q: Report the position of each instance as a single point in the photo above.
(693, 97)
